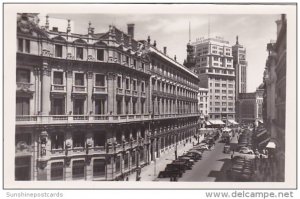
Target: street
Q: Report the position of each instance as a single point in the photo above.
(212, 167)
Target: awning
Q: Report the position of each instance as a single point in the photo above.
(232, 122)
(217, 122)
(207, 123)
(260, 121)
(271, 145)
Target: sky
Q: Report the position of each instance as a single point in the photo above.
(172, 31)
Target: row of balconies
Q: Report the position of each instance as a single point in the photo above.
(173, 95)
(173, 78)
(61, 119)
(128, 92)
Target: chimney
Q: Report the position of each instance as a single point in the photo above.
(130, 30)
(175, 58)
(165, 50)
(154, 44)
(69, 27)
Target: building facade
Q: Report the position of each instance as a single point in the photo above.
(240, 65)
(275, 93)
(214, 66)
(84, 108)
(203, 101)
(249, 106)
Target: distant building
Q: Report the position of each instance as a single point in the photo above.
(275, 95)
(214, 66)
(240, 65)
(203, 101)
(249, 106)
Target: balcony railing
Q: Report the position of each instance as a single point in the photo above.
(79, 89)
(120, 91)
(127, 92)
(100, 90)
(58, 119)
(58, 88)
(143, 94)
(134, 93)
(25, 87)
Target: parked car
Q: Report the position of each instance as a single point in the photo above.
(246, 151)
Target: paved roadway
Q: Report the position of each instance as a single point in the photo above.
(212, 167)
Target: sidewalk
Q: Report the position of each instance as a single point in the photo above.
(151, 171)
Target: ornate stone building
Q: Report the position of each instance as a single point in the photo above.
(84, 103)
(275, 95)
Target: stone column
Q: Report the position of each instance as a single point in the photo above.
(111, 93)
(46, 84)
(69, 84)
(90, 88)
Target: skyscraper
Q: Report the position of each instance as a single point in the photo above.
(214, 67)
(240, 65)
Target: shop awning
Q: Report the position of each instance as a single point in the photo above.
(226, 129)
(264, 141)
(232, 122)
(260, 121)
(271, 145)
(207, 123)
(216, 122)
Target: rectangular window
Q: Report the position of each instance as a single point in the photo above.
(118, 164)
(223, 109)
(127, 60)
(119, 82)
(99, 138)
(134, 84)
(79, 79)
(133, 107)
(217, 84)
(100, 54)
(126, 161)
(99, 167)
(79, 53)
(23, 75)
(57, 140)
(143, 86)
(23, 137)
(100, 106)
(230, 91)
(127, 107)
(143, 66)
(100, 80)
(78, 139)
(22, 106)
(58, 78)
(78, 108)
(58, 50)
(134, 63)
(142, 107)
(58, 106)
(78, 169)
(20, 45)
(127, 83)
(217, 91)
(23, 168)
(133, 159)
(217, 103)
(57, 171)
(224, 85)
(119, 106)
(27, 46)
(223, 103)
